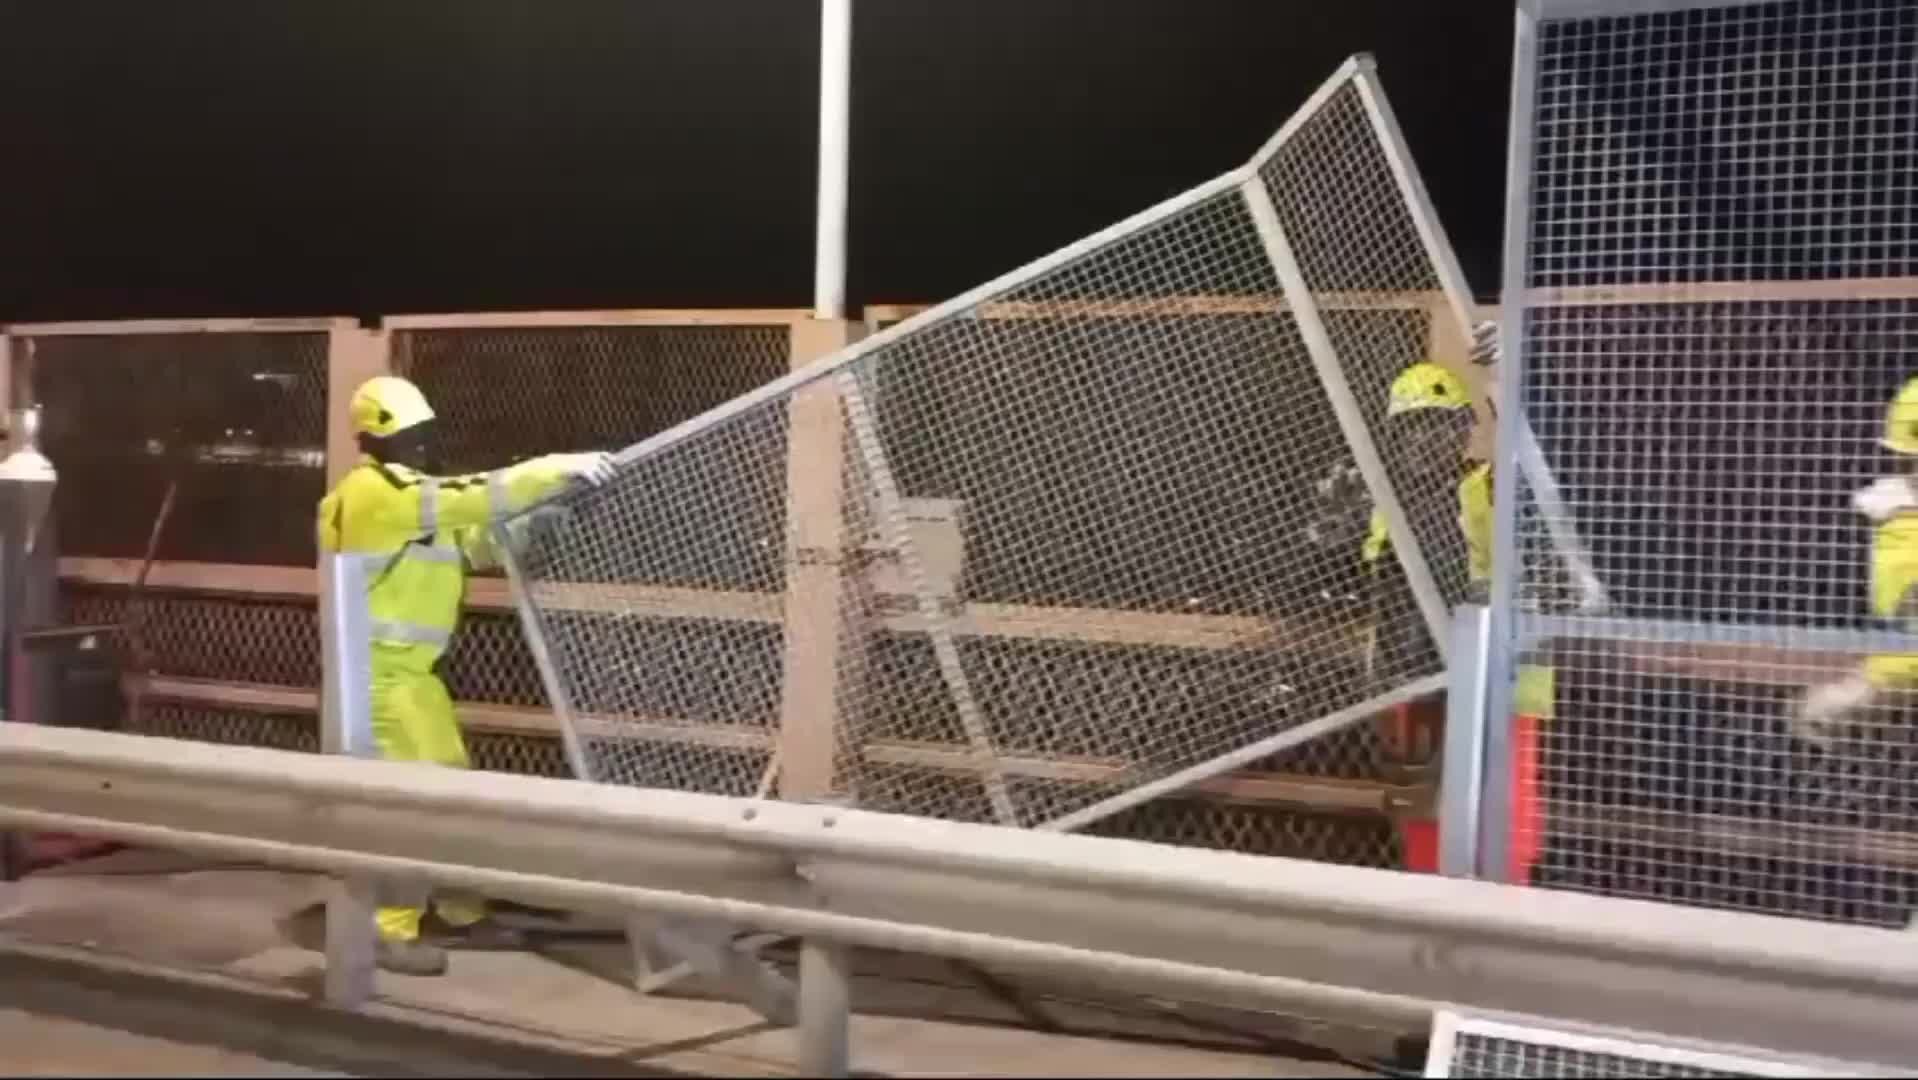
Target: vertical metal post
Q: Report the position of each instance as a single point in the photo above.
(835, 139)
(1325, 358)
(825, 1009)
(346, 727)
(1501, 663)
(1462, 773)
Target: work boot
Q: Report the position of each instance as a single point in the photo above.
(414, 957)
(486, 935)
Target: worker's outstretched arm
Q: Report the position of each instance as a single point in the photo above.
(454, 503)
(511, 490)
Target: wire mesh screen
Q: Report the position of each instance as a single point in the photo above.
(1361, 255)
(1719, 307)
(1475, 1047)
(235, 421)
(1029, 552)
(509, 394)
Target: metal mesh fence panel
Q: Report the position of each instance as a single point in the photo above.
(505, 395)
(236, 420)
(1360, 251)
(1718, 306)
(223, 638)
(1475, 1047)
(1041, 552)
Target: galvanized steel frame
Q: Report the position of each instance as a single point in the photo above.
(1360, 73)
(1512, 632)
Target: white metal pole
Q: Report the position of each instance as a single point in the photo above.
(835, 124)
(825, 1007)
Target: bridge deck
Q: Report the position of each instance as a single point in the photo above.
(152, 919)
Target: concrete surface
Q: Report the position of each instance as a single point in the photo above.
(33, 1044)
(240, 926)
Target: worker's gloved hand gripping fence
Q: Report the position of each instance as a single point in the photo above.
(1042, 553)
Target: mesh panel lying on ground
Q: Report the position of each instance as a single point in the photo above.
(1473, 1046)
(1050, 549)
(1709, 437)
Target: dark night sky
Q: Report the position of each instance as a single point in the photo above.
(366, 156)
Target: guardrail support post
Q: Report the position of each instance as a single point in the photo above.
(1462, 774)
(825, 1007)
(346, 727)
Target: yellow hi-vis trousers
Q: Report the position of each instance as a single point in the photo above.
(413, 720)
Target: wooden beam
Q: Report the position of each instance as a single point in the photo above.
(822, 604)
(1724, 834)
(516, 320)
(1316, 793)
(1750, 665)
(1883, 288)
(127, 327)
(1730, 292)
(1087, 625)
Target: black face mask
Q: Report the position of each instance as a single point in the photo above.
(416, 447)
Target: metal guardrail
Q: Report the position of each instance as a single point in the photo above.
(1332, 941)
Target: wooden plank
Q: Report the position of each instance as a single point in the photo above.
(1844, 289)
(517, 320)
(353, 355)
(499, 719)
(1724, 834)
(296, 582)
(127, 327)
(1317, 793)
(1749, 665)
(1883, 288)
(1087, 625)
(821, 598)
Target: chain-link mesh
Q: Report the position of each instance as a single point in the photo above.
(200, 722)
(504, 395)
(1074, 545)
(236, 420)
(1361, 254)
(1474, 1047)
(199, 636)
(1719, 308)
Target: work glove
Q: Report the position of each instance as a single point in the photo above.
(593, 469)
(1885, 498)
(1486, 350)
(1825, 709)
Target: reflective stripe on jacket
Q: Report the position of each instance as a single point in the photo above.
(417, 535)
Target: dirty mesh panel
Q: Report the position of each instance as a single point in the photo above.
(1361, 254)
(1746, 170)
(504, 395)
(237, 420)
(1072, 553)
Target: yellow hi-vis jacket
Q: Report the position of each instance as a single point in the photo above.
(1537, 688)
(1894, 577)
(417, 535)
(1474, 520)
